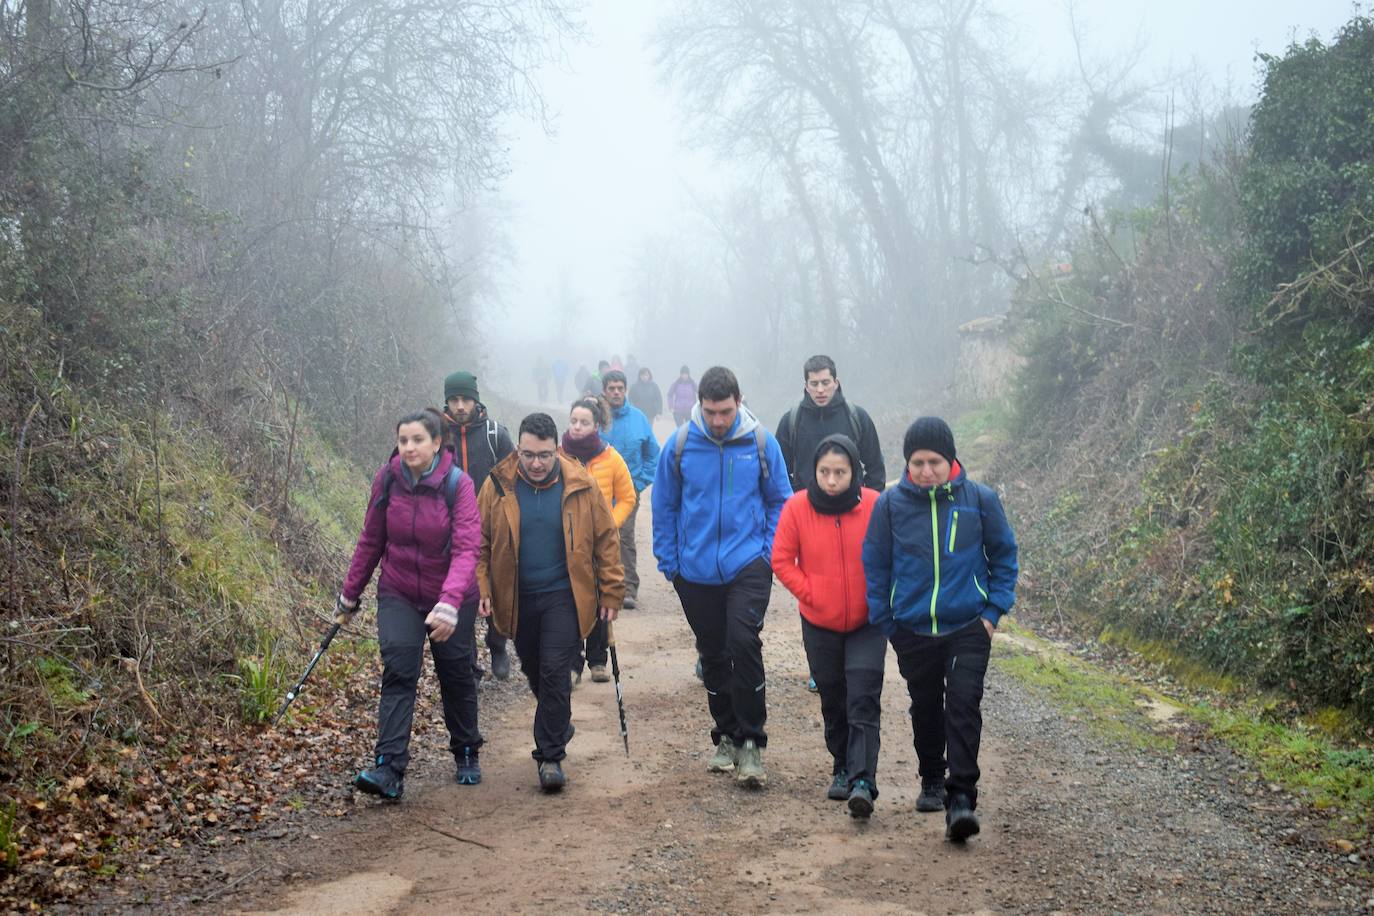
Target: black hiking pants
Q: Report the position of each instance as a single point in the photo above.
(597, 648)
(848, 668)
(548, 640)
(727, 620)
(944, 675)
(402, 635)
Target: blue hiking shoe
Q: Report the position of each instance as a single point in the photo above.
(469, 770)
(811, 685)
(381, 781)
(861, 799)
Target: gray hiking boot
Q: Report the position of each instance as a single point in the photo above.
(839, 788)
(932, 796)
(723, 760)
(749, 765)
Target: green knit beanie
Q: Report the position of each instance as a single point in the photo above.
(461, 385)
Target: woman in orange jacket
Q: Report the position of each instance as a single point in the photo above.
(817, 554)
(583, 443)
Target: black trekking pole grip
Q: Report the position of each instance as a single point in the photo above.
(296, 691)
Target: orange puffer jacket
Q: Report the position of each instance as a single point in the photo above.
(820, 560)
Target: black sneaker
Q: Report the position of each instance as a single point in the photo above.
(960, 821)
(839, 788)
(469, 770)
(381, 781)
(932, 796)
(861, 799)
(551, 778)
(500, 665)
(629, 603)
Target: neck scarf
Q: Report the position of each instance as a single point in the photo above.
(584, 449)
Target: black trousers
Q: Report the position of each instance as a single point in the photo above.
(548, 640)
(727, 620)
(944, 675)
(848, 668)
(597, 648)
(402, 635)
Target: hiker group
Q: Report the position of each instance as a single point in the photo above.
(538, 537)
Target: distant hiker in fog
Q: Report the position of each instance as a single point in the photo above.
(587, 419)
(632, 366)
(633, 437)
(548, 568)
(593, 384)
(541, 379)
(615, 363)
(940, 560)
(422, 527)
(645, 395)
(823, 411)
(478, 443)
(560, 376)
(817, 554)
(580, 379)
(719, 489)
(682, 396)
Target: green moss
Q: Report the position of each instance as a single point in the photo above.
(331, 494)
(1186, 671)
(61, 681)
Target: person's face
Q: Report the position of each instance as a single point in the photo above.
(645, 375)
(537, 456)
(417, 447)
(684, 375)
(927, 468)
(821, 386)
(834, 473)
(462, 409)
(580, 423)
(615, 393)
(720, 416)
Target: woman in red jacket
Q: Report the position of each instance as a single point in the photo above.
(817, 554)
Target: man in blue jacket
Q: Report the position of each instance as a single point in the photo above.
(719, 491)
(940, 560)
(632, 435)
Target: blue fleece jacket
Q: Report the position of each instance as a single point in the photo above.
(720, 514)
(632, 435)
(938, 558)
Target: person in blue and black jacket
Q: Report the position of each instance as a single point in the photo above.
(940, 560)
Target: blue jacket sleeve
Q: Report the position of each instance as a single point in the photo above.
(667, 503)
(649, 465)
(999, 547)
(775, 495)
(877, 557)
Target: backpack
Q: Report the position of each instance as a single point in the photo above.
(450, 490)
(680, 442)
(855, 426)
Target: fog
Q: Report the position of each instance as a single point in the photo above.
(620, 160)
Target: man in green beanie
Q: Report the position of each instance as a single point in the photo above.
(478, 443)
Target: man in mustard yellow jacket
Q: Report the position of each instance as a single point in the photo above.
(549, 567)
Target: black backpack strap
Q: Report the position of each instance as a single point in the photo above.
(761, 442)
(855, 424)
(493, 432)
(387, 480)
(790, 418)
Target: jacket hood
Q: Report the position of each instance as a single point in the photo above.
(835, 403)
(745, 424)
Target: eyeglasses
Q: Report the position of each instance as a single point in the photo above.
(540, 457)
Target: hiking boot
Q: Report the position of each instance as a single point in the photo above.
(811, 685)
(839, 788)
(723, 760)
(469, 770)
(576, 679)
(551, 778)
(381, 781)
(861, 799)
(629, 603)
(932, 796)
(599, 674)
(960, 821)
(500, 665)
(749, 765)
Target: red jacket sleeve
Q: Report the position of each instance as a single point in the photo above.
(466, 542)
(786, 552)
(371, 543)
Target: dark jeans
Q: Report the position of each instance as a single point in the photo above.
(629, 554)
(727, 620)
(848, 668)
(597, 648)
(402, 635)
(944, 675)
(548, 639)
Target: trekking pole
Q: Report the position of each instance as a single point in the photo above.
(296, 691)
(615, 673)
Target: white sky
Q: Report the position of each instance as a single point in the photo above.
(618, 167)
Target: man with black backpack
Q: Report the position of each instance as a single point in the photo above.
(478, 443)
(823, 411)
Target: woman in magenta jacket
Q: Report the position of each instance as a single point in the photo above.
(818, 555)
(423, 528)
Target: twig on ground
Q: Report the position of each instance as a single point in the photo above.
(239, 880)
(453, 836)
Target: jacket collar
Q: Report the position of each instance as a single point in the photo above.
(433, 480)
(946, 489)
(834, 404)
(745, 424)
(575, 476)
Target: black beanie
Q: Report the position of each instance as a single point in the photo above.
(461, 384)
(932, 434)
